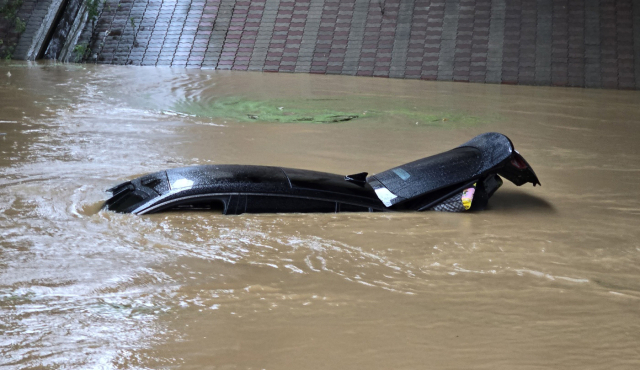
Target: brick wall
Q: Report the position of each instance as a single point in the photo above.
(593, 43)
(9, 35)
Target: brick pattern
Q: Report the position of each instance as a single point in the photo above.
(592, 43)
(8, 34)
(33, 13)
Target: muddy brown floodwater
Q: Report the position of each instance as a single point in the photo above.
(546, 278)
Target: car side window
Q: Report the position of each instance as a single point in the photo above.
(282, 204)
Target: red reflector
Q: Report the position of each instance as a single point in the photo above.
(518, 162)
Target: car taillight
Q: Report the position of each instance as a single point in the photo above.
(518, 162)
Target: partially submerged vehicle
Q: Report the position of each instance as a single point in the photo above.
(460, 179)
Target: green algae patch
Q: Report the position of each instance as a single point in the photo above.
(437, 119)
(265, 111)
(329, 110)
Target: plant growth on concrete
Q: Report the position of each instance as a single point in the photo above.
(11, 26)
(82, 51)
(93, 9)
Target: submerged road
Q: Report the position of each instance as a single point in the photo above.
(545, 278)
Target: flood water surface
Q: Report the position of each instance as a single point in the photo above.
(547, 277)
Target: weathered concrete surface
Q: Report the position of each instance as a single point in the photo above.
(29, 12)
(40, 19)
(592, 43)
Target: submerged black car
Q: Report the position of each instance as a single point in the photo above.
(460, 179)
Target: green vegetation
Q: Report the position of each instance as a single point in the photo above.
(9, 16)
(20, 25)
(9, 9)
(133, 27)
(13, 299)
(325, 111)
(265, 111)
(92, 9)
(81, 51)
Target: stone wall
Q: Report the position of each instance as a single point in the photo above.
(38, 17)
(14, 14)
(593, 43)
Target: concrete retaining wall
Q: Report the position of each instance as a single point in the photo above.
(593, 43)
